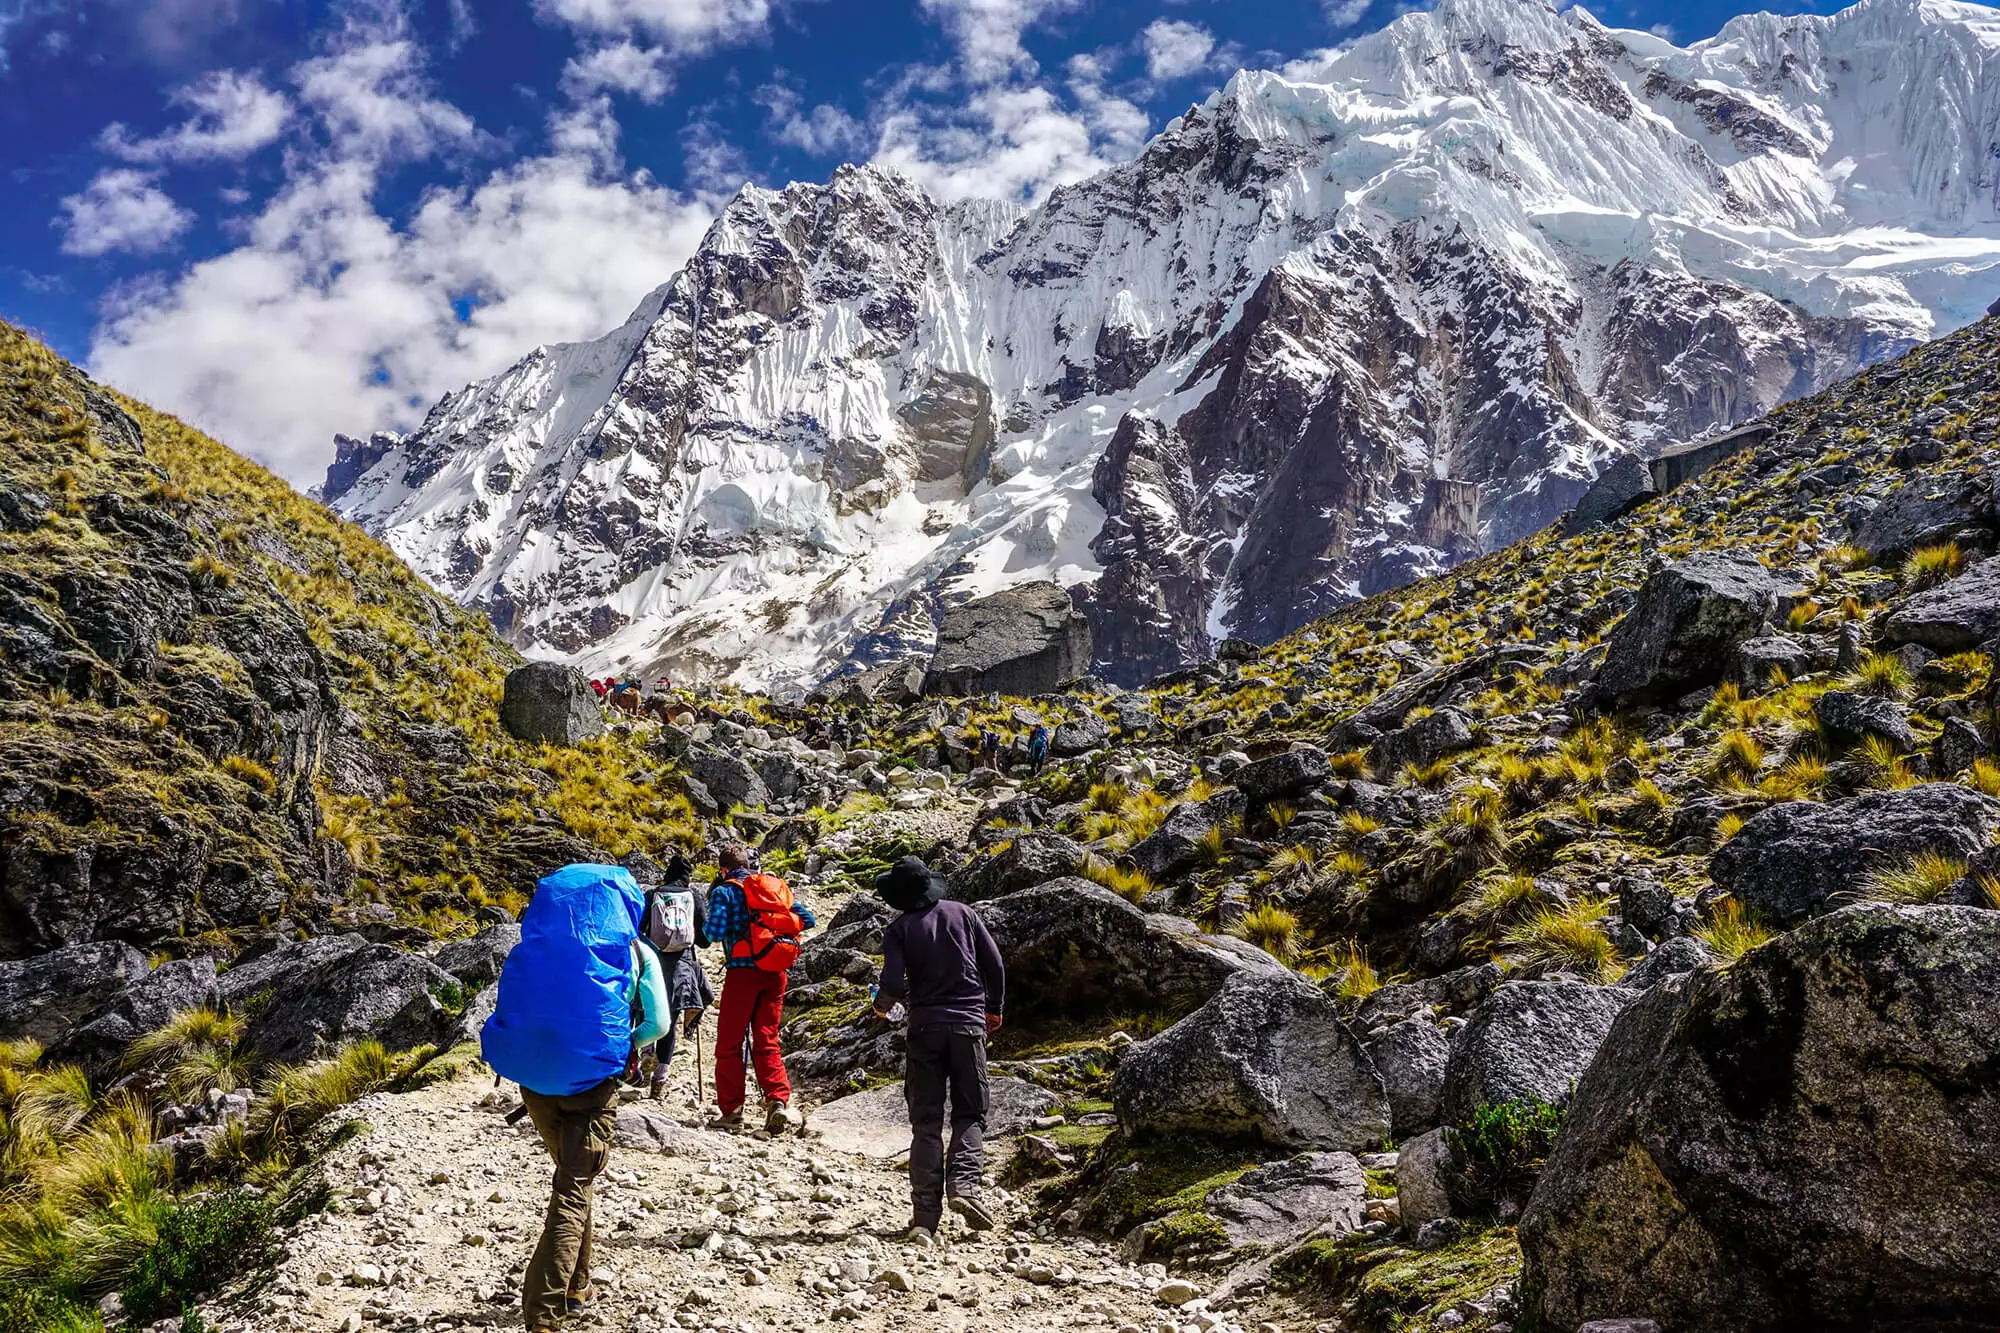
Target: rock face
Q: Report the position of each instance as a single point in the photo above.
(306, 998)
(476, 962)
(1623, 485)
(546, 703)
(1074, 948)
(1954, 617)
(1032, 859)
(1791, 861)
(1025, 641)
(1274, 1205)
(1267, 1058)
(1802, 1141)
(1687, 623)
(1530, 1039)
(40, 997)
(99, 1042)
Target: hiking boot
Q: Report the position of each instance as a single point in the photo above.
(922, 1237)
(974, 1214)
(659, 1090)
(574, 1305)
(779, 1117)
(732, 1122)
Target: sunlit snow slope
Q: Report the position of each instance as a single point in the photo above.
(1332, 330)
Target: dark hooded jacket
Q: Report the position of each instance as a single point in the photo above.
(937, 957)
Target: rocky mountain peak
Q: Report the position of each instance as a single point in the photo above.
(1491, 245)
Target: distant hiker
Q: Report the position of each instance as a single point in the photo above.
(941, 963)
(564, 1028)
(755, 918)
(600, 687)
(1038, 750)
(989, 748)
(676, 925)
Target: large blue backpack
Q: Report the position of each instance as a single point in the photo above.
(563, 1020)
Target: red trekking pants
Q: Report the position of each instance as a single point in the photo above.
(753, 1004)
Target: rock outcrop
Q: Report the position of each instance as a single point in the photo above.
(1024, 641)
(546, 703)
(1795, 860)
(1268, 1058)
(1801, 1141)
(1687, 623)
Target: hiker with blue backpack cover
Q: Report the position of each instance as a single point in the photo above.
(579, 997)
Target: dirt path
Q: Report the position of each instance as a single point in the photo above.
(439, 1202)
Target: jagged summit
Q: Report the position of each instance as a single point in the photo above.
(1332, 329)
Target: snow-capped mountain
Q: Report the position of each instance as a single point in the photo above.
(1331, 330)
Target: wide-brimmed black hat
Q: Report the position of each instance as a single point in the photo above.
(910, 884)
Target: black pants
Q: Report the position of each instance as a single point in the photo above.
(945, 1064)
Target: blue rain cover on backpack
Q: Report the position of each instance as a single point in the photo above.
(563, 1020)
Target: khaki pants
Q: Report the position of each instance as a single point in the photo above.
(577, 1132)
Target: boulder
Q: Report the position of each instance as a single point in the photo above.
(1938, 508)
(729, 779)
(1421, 1168)
(1075, 949)
(547, 703)
(646, 1128)
(1953, 617)
(1293, 773)
(1687, 624)
(1175, 846)
(1411, 1057)
(41, 997)
(1080, 735)
(1454, 992)
(1957, 745)
(1674, 958)
(1624, 484)
(98, 1043)
(1788, 862)
(1030, 859)
(1272, 1206)
(876, 1123)
(475, 963)
(1268, 1058)
(1026, 640)
(1848, 718)
(1425, 741)
(1757, 658)
(318, 1000)
(1531, 1039)
(1804, 1140)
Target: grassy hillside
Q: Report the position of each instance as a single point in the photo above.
(222, 708)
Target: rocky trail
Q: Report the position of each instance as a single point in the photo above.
(438, 1203)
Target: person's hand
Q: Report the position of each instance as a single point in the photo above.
(692, 1023)
(992, 1024)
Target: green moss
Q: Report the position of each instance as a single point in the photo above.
(1386, 1287)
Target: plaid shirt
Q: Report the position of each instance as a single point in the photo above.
(729, 917)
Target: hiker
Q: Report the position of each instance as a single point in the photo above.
(756, 920)
(1038, 750)
(939, 961)
(676, 926)
(564, 1028)
(600, 688)
(989, 749)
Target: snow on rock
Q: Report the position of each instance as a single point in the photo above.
(1216, 390)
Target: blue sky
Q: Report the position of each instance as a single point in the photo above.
(284, 218)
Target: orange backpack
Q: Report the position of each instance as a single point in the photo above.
(775, 925)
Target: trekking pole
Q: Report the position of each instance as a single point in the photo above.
(700, 1093)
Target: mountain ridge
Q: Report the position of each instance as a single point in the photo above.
(1477, 254)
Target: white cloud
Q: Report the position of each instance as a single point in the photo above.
(1120, 125)
(371, 99)
(1664, 31)
(234, 116)
(687, 26)
(624, 67)
(122, 210)
(1009, 143)
(1175, 49)
(824, 131)
(988, 32)
(334, 317)
(1345, 13)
